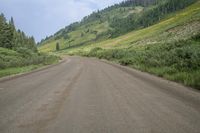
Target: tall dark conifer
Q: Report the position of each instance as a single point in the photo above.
(14, 39)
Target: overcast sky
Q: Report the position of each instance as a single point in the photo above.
(41, 18)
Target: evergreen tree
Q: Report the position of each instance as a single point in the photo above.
(2, 28)
(11, 22)
(6, 33)
(57, 46)
(14, 39)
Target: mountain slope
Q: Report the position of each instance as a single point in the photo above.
(88, 31)
(112, 22)
(170, 48)
(181, 25)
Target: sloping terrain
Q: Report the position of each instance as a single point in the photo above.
(170, 48)
(88, 32)
(177, 26)
(114, 21)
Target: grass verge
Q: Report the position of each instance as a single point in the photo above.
(23, 60)
(18, 70)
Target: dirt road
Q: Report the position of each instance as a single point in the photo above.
(84, 95)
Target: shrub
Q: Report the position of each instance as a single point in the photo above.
(126, 61)
(94, 51)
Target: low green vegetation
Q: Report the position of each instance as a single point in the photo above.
(22, 60)
(178, 61)
(17, 70)
(23, 57)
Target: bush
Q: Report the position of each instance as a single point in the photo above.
(126, 61)
(2, 64)
(94, 51)
(23, 57)
(25, 52)
(196, 37)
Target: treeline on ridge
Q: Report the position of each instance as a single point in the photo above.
(152, 12)
(149, 17)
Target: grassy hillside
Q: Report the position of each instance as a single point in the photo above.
(170, 48)
(112, 22)
(87, 32)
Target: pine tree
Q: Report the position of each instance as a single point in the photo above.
(57, 46)
(11, 22)
(14, 39)
(2, 29)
